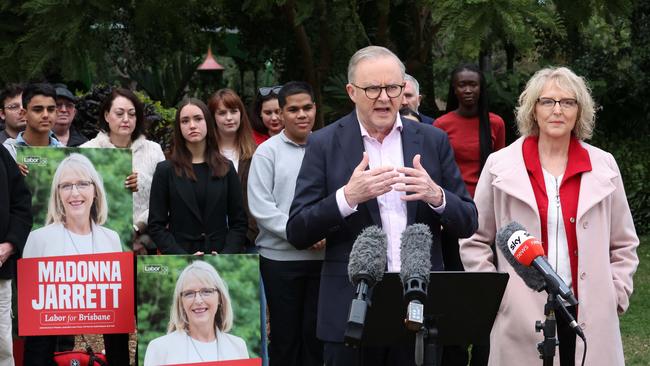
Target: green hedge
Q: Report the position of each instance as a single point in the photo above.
(633, 157)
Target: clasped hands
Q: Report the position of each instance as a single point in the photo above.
(372, 183)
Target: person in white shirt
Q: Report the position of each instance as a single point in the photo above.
(200, 317)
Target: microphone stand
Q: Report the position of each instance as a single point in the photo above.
(426, 344)
(546, 348)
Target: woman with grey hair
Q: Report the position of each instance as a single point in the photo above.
(200, 317)
(570, 195)
(76, 211)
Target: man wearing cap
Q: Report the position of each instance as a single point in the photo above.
(65, 132)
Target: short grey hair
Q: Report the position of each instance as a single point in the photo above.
(371, 52)
(567, 80)
(413, 81)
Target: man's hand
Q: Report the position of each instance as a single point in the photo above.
(24, 170)
(6, 250)
(417, 181)
(318, 246)
(131, 182)
(368, 184)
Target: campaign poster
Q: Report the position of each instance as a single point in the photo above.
(81, 209)
(106, 173)
(76, 294)
(177, 293)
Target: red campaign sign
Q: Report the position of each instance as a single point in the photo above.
(247, 362)
(76, 294)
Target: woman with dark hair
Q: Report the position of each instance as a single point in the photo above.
(265, 114)
(474, 133)
(122, 124)
(235, 138)
(196, 203)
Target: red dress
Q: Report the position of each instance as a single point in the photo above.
(463, 136)
(259, 138)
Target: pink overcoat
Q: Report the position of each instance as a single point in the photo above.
(607, 258)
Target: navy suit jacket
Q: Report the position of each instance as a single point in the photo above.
(331, 155)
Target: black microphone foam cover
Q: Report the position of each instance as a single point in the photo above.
(530, 275)
(368, 256)
(415, 252)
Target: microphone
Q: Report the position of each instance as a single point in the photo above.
(522, 251)
(415, 254)
(365, 268)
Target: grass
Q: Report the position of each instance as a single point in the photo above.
(635, 323)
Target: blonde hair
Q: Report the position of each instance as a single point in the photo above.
(206, 274)
(81, 165)
(567, 80)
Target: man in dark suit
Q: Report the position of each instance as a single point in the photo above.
(15, 223)
(373, 168)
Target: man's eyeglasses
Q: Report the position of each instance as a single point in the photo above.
(81, 186)
(549, 103)
(374, 91)
(266, 90)
(12, 107)
(204, 292)
(67, 106)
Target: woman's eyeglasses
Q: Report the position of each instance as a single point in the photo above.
(266, 90)
(81, 186)
(549, 103)
(204, 292)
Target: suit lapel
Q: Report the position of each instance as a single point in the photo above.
(351, 146)
(186, 191)
(411, 145)
(511, 176)
(595, 185)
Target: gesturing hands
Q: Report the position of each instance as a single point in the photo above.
(417, 181)
(368, 184)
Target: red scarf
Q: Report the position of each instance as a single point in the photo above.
(578, 162)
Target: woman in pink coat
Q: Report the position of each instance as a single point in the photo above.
(571, 196)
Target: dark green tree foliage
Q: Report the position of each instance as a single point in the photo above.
(155, 293)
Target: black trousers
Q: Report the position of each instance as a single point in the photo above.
(39, 350)
(291, 289)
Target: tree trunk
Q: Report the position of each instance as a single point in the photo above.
(306, 53)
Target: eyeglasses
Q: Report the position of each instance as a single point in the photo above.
(266, 90)
(204, 292)
(81, 186)
(549, 103)
(12, 107)
(68, 106)
(374, 91)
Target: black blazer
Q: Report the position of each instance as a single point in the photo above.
(331, 155)
(15, 211)
(177, 226)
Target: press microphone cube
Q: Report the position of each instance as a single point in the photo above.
(356, 321)
(414, 316)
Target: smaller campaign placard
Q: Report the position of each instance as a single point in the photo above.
(77, 294)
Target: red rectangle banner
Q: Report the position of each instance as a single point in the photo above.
(248, 362)
(77, 294)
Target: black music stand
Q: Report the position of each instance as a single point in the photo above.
(460, 306)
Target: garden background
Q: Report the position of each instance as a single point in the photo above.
(155, 46)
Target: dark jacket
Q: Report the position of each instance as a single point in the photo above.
(242, 172)
(177, 226)
(76, 138)
(15, 211)
(331, 156)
